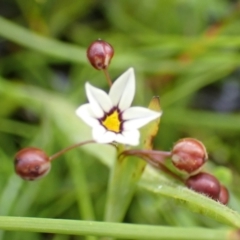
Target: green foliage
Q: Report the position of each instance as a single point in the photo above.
(185, 51)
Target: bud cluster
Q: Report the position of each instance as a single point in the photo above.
(189, 156)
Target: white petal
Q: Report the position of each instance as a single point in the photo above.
(128, 137)
(123, 90)
(86, 114)
(136, 117)
(101, 135)
(99, 100)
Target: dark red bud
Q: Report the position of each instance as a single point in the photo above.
(224, 195)
(189, 155)
(204, 183)
(31, 163)
(99, 54)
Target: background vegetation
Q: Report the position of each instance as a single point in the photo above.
(185, 51)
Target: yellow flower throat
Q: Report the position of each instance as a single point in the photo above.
(112, 122)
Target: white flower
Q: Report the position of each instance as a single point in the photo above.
(110, 115)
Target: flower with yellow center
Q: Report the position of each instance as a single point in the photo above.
(110, 115)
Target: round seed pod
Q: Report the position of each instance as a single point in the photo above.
(99, 54)
(223, 195)
(31, 163)
(204, 183)
(189, 155)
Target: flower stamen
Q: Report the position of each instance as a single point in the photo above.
(112, 122)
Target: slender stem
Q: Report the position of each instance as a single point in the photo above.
(157, 157)
(106, 73)
(56, 155)
(168, 171)
(154, 158)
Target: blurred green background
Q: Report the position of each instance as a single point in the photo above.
(185, 51)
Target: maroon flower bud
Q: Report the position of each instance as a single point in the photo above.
(31, 163)
(189, 155)
(224, 195)
(204, 183)
(99, 54)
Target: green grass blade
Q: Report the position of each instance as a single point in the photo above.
(37, 42)
(117, 230)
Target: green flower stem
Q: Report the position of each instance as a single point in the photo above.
(127, 170)
(116, 230)
(122, 184)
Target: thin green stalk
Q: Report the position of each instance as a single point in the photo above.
(122, 184)
(117, 230)
(61, 152)
(107, 76)
(127, 171)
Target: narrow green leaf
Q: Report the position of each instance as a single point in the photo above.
(78, 176)
(192, 83)
(117, 230)
(199, 118)
(17, 128)
(35, 41)
(53, 47)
